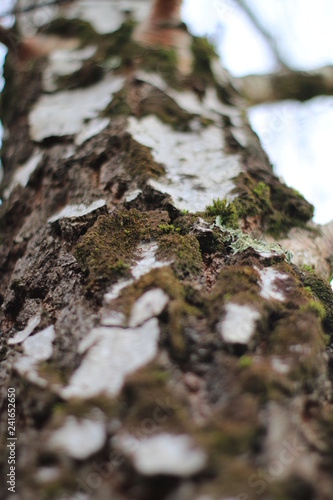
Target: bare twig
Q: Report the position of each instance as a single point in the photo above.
(263, 31)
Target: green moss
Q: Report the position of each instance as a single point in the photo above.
(168, 228)
(245, 361)
(226, 210)
(106, 250)
(322, 291)
(185, 252)
(316, 308)
(276, 206)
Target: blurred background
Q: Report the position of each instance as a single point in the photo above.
(251, 37)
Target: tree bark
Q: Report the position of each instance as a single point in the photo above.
(158, 336)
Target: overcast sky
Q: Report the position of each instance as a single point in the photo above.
(296, 136)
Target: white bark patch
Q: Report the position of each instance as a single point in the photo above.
(113, 318)
(107, 17)
(36, 349)
(149, 305)
(92, 128)
(132, 195)
(239, 324)
(64, 62)
(19, 337)
(46, 475)
(197, 169)
(80, 210)
(169, 454)
(79, 438)
(64, 113)
(269, 286)
(112, 354)
(23, 173)
(146, 263)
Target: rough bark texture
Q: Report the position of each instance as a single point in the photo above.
(162, 344)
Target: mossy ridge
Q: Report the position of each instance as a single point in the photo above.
(138, 160)
(276, 206)
(184, 251)
(152, 101)
(107, 249)
(289, 329)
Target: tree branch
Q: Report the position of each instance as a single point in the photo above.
(297, 85)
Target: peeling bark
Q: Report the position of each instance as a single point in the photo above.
(160, 338)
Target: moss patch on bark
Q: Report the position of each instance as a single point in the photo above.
(276, 206)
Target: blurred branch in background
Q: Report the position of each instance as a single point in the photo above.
(287, 84)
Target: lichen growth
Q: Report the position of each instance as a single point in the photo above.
(239, 242)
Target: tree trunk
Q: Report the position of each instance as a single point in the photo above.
(158, 337)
